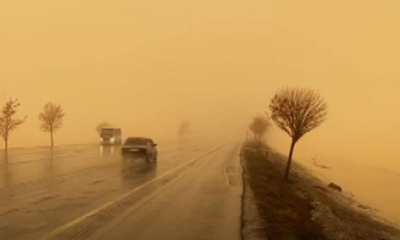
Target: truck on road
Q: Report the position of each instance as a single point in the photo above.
(110, 136)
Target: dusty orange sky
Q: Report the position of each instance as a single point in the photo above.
(148, 65)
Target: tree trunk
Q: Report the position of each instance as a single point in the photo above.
(51, 137)
(289, 160)
(6, 145)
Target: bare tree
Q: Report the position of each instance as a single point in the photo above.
(101, 125)
(7, 121)
(259, 126)
(184, 129)
(297, 111)
(51, 119)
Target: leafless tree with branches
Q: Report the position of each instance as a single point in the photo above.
(297, 111)
(101, 125)
(259, 126)
(51, 119)
(184, 129)
(8, 122)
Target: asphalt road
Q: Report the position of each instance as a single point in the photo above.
(87, 192)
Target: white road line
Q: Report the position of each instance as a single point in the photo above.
(103, 232)
(227, 177)
(106, 205)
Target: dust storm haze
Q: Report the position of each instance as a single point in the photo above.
(148, 65)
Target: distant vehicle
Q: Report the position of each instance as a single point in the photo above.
(110, 135)
(140, 146)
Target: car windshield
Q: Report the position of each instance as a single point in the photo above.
(136, 141)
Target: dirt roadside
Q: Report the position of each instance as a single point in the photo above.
(303, 209)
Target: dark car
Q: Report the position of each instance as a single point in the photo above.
(140, 146)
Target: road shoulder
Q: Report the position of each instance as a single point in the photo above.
(304, 208)
(252, 222)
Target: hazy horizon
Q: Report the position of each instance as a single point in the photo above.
(149, 65)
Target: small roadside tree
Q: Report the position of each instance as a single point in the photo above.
(8, 122)
(51, 119)
(101, 125)
(259, 126)
(184, 129)
(297, 111)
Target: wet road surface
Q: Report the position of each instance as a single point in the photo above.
(82, 192)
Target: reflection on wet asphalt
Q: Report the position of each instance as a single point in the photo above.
(41, 189)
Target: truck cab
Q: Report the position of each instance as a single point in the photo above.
(110, 136)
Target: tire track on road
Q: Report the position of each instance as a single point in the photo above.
(53, 206)
(65, 185)
(51, 181)
(86, 225)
